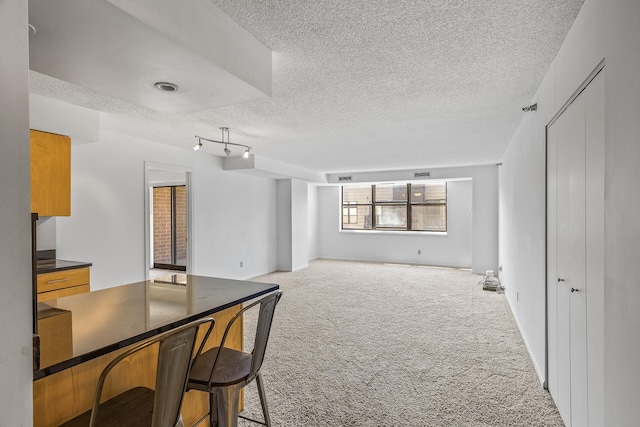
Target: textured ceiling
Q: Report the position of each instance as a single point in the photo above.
(371, 85)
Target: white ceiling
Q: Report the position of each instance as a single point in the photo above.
(369, 85)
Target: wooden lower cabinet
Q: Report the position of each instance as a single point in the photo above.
(66, 394)
(56, 339)
(60, 284)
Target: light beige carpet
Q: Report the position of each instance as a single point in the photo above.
(367, 344)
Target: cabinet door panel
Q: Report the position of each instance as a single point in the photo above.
(50, 174)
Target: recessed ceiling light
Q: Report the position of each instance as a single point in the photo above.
(167, 87)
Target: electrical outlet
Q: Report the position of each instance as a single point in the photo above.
(419, 251)
(241, 264)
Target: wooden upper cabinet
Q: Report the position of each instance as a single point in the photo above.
(50, 174)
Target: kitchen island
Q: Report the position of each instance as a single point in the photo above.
(89, 330)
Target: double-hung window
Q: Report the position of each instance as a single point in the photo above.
(395, 207)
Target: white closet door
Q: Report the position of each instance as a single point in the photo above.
(595, 134)
(570, 231)
(575, 257)
(575, 262)
(552, 274)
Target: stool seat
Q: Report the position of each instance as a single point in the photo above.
(133, 408)
(233, 367)
(223, 372)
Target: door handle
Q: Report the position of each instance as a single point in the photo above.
(560, 280)
(574, 290)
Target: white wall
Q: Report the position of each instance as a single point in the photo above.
(293, 225)
(284, 224)
(233, 220)
(16, 368)
(607, 29)
(54, 116)
(312, 210)
(484, 243)
(299, 225)
(452, 249)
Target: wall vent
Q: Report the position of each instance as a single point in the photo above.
(344, 178)
(421, 174)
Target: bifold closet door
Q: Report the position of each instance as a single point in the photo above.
(575, 205)
(570, 304)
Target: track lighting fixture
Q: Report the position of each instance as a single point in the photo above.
(533, 107)
(226, 143)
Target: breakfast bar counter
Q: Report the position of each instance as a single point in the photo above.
(81, 334)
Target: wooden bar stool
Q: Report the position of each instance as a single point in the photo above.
(223, 372)
(141, 406)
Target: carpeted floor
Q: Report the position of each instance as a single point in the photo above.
(367, 344)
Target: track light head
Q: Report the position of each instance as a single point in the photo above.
(533, 107)
(226, 150)
(197, 146)
(246, 154)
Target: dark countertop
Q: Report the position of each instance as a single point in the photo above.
(110, 319)
(51, 265)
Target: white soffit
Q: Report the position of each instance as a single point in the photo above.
(269, 168)
(121, 48)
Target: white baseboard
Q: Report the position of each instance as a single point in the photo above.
(541, 376)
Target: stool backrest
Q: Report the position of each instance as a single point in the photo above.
(174, 362)
(265, 318)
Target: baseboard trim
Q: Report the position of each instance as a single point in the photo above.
(540, 374)
(389, 261)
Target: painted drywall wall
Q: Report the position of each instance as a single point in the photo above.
(16, 363)
(284, 242)
(452, 249)
(607, 29)
(46, 233)
(312, 210)
(484, 246)
(233, 219)
(293, 224)
(79, 123)
(299, 225)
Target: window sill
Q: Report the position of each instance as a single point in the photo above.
(395, 233)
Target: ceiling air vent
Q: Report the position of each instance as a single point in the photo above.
(421, 174)
(344, 178)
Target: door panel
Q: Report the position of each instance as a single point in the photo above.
(595, 134)
(563, 128)
(552, 274)
(575, 257)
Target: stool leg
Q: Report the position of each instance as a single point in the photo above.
(227, 405)
(263, 400)
(213, 409)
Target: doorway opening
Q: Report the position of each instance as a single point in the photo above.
(170, 227)
(168, 213)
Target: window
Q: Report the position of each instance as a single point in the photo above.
(356, 208)
(350, 213)
(397, 207)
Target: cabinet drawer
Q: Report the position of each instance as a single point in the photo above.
(63, 279)
(74, 290)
